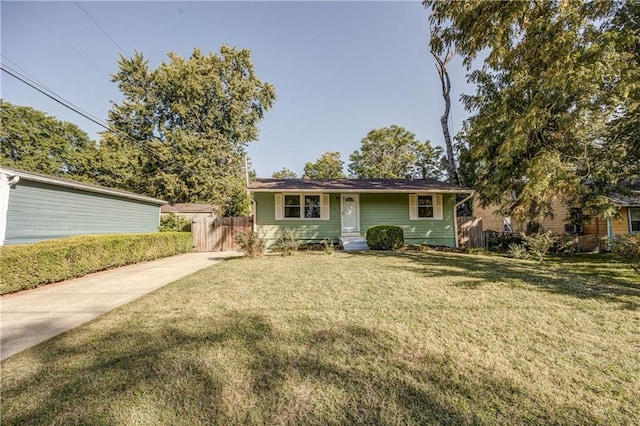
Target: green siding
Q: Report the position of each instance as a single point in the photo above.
(39, 211)
(308, 230)
(375, 209)
(393, 209)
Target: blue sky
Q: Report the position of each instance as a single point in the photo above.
(340, 69)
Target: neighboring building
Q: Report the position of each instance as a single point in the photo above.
(36, 207)
(344, 209)
(190, 211)
(570, 220)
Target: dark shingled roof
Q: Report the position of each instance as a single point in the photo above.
(354, 185)
(188, 208)
(630, 200)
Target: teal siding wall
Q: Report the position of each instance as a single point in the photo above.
(375, 209)
(39, 211)
(314, 230)
(393, 209)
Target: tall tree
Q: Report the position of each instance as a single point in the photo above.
(33, 141)
(559, 76)
(394, 153)
(284, 173)
(437, 49)
(181, 129)
(328, 166)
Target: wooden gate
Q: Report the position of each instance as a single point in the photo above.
(218, 234)
(470, 232)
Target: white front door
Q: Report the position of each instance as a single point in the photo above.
(350, 204)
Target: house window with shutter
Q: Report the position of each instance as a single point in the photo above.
(302, 206)
(425, 206)
(634, 219)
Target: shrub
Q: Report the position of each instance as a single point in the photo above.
(287, 244)
(497, 241)
(250, 243)
(385, 237)
(31, 265)
(174, 223)
(565, 244)
(540, 244)
(627, 249)
(328, 246)
(518, 251)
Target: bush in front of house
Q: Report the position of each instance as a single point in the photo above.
(286, 243)
(627, 249)
(385, 237)
(31, 265)
(540, 244)
(251, 243)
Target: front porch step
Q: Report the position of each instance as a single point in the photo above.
(354, 243)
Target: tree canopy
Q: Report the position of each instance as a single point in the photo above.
(181, 129)
(395, 153)
(556, 103)
(328, 166)
(284, 173)
(33, 141)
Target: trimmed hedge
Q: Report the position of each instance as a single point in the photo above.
(385, 237)
(31, 265)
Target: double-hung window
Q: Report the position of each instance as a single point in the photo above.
(301, 206)
(634, 219)
(425, 206)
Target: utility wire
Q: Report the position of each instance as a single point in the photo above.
(57, 98)
(100, 28)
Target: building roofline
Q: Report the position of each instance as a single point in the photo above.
(52, 180)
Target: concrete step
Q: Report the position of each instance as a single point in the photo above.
(354, 243)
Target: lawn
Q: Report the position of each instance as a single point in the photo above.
(371, 338)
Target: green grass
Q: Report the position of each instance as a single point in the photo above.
(372, 338)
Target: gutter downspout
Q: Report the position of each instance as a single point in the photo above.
(455, 216)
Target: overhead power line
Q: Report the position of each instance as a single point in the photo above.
(65, 103)
(100, 28)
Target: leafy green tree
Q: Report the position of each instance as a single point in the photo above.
(328, 166)
(33, 141)
(180, 131)
(284, 173)
(395, 153)
(554, 95)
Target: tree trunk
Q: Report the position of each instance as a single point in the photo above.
(441, 65)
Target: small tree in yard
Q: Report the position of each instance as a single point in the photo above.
(287, 244)
(627, 249)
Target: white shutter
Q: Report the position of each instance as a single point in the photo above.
(279, 207)
(437, 206)
(413, 206)
(325, 207)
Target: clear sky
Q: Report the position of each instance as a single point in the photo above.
(340, 69)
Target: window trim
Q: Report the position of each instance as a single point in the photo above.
(634, 220)
(280, 207)
(438, 206)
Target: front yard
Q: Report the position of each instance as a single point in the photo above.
(372, 338)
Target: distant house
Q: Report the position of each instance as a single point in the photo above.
(36, 207)
(571, 220)
(190, 211)
(346, 208)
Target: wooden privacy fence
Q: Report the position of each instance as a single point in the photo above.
(470, 232)
(218, 234)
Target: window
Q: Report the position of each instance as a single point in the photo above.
(425, 206)
(301, 206)
(311, 206)
(506, 221)
(634, 219)
(292, 206)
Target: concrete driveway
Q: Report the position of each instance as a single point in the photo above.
(33, 316)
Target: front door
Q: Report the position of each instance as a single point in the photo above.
(350, 204)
